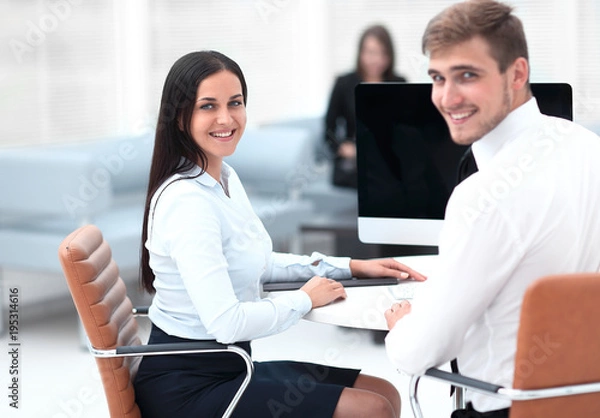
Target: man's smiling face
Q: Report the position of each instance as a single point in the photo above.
(469, 90)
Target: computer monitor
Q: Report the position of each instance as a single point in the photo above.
(407, 162)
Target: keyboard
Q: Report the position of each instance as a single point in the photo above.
(353, 282)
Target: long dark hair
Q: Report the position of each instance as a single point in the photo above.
(380, 33)
(175, 150)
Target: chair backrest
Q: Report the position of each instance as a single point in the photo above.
(559, 344)
(101, 300)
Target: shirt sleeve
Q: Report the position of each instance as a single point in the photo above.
(283, 267)
(192, 238)
(457, 294)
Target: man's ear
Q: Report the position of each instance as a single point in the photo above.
(520, 73)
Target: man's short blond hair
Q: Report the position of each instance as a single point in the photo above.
(491, 20)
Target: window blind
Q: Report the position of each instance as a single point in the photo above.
(60, 71)
(72, 70)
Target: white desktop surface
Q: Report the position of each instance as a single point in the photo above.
(364, 306)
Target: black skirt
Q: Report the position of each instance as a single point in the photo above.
(202, 385)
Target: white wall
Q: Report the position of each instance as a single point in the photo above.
(73, 70)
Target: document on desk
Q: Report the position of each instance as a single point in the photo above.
(364, 307)
(404, 290)
(353, 282)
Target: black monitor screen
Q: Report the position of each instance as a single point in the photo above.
(407, 162)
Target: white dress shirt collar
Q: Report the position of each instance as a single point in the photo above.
(206, 179)
(517, 121)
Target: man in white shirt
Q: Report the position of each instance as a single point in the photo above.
(531, 210)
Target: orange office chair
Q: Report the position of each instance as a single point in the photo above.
(557, 363)
(108, 318)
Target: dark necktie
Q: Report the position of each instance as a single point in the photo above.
(466, 166)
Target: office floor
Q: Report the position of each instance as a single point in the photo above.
(58, 377)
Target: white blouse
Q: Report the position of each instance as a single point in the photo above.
(210, 254)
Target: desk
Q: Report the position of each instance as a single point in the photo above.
(364, 306)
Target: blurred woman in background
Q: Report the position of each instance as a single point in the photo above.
(374, 63)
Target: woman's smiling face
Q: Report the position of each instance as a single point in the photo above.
(219, 118)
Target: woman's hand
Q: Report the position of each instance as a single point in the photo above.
(383, 267)
(347, 150)
(322, 291)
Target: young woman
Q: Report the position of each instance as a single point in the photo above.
(374, 63)
(206, 270)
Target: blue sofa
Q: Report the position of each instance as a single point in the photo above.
(49, 190)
